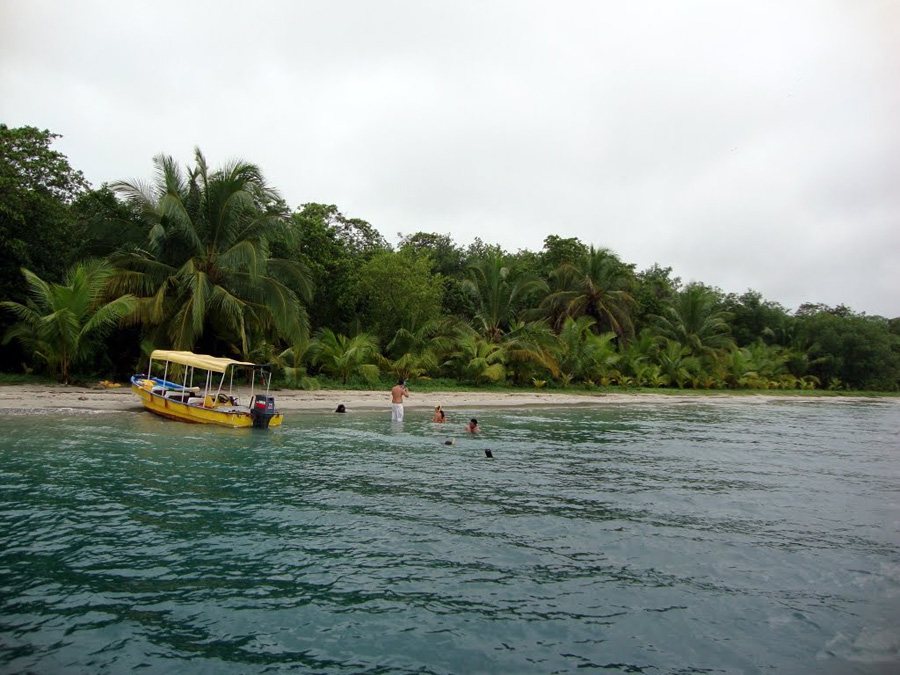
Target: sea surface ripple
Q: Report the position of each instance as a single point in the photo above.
(732, 537)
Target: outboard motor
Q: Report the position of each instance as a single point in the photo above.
(262, 410)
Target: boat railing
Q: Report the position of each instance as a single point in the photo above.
(210, 396)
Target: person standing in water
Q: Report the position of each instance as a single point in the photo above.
(473, 427)
(398, 393)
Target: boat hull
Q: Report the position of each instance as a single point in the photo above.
(195, 414)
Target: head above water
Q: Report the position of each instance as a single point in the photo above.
(341, 408)
(473, 422)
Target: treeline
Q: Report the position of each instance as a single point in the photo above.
(213, 260)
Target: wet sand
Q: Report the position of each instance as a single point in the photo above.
(50, 397)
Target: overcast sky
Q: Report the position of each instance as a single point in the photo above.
(748, 144)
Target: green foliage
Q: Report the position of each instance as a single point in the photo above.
(292, 363)
(497, 296)
(204, 267)
(476, 359)
(696, 322)
(26, 377)
(37, 186)
(676, 365)
(104, 223)
(63, 324)
(419, 350)
(479, 250)
(449, 263)
(858, 351)
(560, 251)
(640, 353)
(530, 350)
(400, 290)
(751, 318)
(584, 355)
(319, 242)
(597, 285)
(216, 262)
(343, 357)
(448, 259)
(357, 235)
(655, 289)
(759, 366)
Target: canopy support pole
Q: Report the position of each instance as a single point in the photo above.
(219, 390)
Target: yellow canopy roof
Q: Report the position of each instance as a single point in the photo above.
(217, 364)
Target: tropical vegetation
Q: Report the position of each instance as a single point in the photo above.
(212, 259)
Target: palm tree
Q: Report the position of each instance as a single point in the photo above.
(418, 349)
(676, 365)
(292, 362)
(639, 354)
(695, 321)
(477, 358)
(647, 374)
(205, 263)
(497, 298)
(758, 366)
(598, 285)
(63, 324)
(342, 357)
(737, 369)
(584, 355)
(530, 350)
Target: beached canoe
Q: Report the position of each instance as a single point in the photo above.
(193, 388)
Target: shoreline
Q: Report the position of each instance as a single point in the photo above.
(49, 397)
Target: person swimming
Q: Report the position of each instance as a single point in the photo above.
(341, 408)
(473, 427)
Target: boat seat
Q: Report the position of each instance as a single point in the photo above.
(196, 400)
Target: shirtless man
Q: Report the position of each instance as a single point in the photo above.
(398, 393)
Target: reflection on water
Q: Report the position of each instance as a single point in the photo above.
(730, 538)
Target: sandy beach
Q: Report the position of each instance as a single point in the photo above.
(97, 399)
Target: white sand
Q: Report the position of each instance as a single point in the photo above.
(49, 397)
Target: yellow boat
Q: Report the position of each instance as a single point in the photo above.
(205, 403)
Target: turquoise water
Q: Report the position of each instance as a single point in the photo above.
(675, 538)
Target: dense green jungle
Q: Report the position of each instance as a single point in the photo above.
(211, 259)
